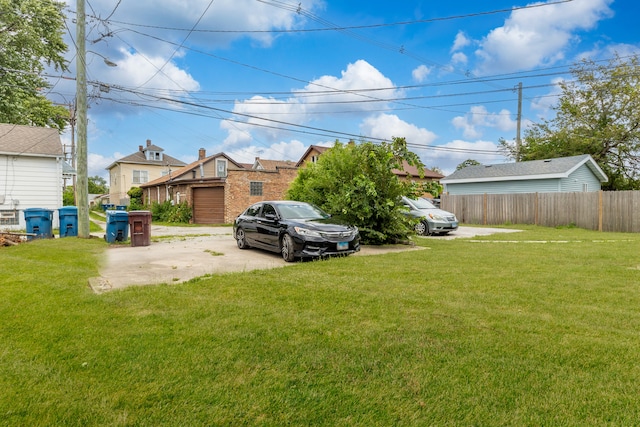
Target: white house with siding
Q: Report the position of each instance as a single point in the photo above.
(563, 174)
(31, 173)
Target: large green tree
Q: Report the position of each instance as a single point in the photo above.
(356, 182)
(598, 113)
(97, 185)
(30, 39)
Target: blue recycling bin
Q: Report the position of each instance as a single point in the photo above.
(107, 206)
(68, 216)
(121, 207)
(117, 226)
(39, 223)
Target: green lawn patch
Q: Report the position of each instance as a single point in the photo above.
(532, 328)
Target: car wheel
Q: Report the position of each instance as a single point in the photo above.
(287, 248)
(421, 228)
(428, 231)
(241, 239)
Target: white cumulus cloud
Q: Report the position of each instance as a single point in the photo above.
(421, 73)
(386, 126)
(538, 36)
(461, 41)
(478, 117)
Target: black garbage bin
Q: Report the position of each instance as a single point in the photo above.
(68, 216)
(39, 223)
(117, 226)
(140, 223)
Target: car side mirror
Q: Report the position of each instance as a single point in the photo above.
(270, 217)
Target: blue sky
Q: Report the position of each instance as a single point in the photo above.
(268, 78)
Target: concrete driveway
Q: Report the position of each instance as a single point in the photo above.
(190, 252)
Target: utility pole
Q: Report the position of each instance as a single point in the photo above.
(82, 191)
(519, 121)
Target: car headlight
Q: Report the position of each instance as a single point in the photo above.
(436, 217)
(306, 232)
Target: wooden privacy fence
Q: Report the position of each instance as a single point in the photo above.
(602, 210)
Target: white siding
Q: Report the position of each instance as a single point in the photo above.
(31, 182)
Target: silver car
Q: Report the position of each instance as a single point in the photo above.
(432, 219)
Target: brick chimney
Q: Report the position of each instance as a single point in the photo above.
(148, 142)
(202, 153)
(140, 147)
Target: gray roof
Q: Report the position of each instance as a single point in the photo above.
(139, 157)
(560, 167)
(30, 141)
(67, 169)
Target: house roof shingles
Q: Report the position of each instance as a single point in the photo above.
(533, 169)
(412, 171)
(274, 164)
(188, 168)
(30, 141)
(139, 158)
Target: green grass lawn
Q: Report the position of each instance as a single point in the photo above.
(540, 327)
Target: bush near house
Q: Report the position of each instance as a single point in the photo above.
(357, 183)
(135, 199)
(180, 213)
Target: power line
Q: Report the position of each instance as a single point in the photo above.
(181, 44)
(295, 9)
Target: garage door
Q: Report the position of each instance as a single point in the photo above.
(208, 205)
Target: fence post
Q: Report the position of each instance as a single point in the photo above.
(484, 209)
(600, 210)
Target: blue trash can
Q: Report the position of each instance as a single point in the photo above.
(39, 223)
(107, 206)
(68, 216)
(121, 207)
(117, 226)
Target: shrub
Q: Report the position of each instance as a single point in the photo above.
(167, 212)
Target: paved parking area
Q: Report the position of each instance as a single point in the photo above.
(190, 252)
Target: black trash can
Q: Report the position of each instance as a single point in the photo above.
(68, 216)
(39, 222)
(140, 223)
(117, 226)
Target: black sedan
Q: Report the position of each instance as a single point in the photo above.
(295, 229)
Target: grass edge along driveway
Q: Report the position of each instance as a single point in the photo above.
(531, 328)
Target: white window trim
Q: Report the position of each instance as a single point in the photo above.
(226, 164)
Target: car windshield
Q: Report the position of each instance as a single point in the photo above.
(301, 211)
(423, 203)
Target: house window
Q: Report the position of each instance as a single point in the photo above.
(140, 177)
(221, 168)
(9, 217)
(585, 187)
(314, 159)
(255, 188)
(154, 155)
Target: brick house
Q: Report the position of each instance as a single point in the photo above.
(218, 188)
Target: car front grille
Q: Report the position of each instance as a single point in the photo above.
(337, 235)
